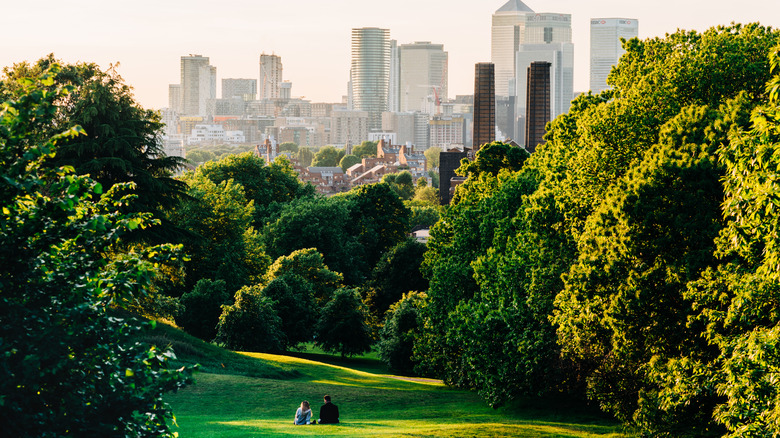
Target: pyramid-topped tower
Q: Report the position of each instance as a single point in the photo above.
(515, 6)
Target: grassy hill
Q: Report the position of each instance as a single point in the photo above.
(254, 395)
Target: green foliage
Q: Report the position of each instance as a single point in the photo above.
(402, 325)
(378, 219)
(365, 149)
(432, 157)
(294, 304)
(122, 141)
(423, 216)
(251, 323)
(305, 156)
(288, 146)
(68, 364)
(348, 161)
(269, 187)
(309, 265)
(228, 247)
(327, 156)
(342, 325)
(202, 308)
(397, 273)
(318, 223)
(401, 183)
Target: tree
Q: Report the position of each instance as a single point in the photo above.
(269, 187)
(423, 216)
(401, 183)
(402, 324)
(365, 149)
(305, 156)
(122, 141)
(309, 265)
(342, 325)
(294, 303)
(202, 308)
(251, 323)
(348, 161)
(69, 365)
(397, 273)
(288, 146)
(327, 156)
(227, 247)
(318, 223)
(432, 156)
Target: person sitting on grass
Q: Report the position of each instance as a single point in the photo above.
(303, 414)
(329, 413)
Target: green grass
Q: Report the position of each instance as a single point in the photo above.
(258, 398)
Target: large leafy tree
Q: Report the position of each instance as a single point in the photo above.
(342, 325)
(328, 156)
(122, 141)
(268, 187)
(68, 363)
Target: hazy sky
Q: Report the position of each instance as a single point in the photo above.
(148, 37)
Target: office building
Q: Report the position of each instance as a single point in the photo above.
(606, 48)
(245, 89)
(370, 73)
(484, 105)
(198, 85)
(538, 103)
(174, 97)
(349, 126)
(423, 81)
(270, 76)
(394, 82)
(507, 33)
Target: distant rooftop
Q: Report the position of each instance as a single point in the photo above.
(514, 6)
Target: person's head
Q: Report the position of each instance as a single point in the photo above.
(305, 405)
(327, 399)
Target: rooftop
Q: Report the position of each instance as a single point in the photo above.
(514, 6)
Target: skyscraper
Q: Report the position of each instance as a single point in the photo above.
(423, 76)
(270, 76)
(507, 33)
(394, 83)
(548, 39)
(606, 48)
(537, 103)
(198, 85)
(370, 73)
(484, 105)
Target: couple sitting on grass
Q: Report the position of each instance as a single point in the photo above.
(329, 413)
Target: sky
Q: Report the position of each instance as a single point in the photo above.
(313, 37)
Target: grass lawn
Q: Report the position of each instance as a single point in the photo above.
(371, 403)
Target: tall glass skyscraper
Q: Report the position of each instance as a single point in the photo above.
(370, 73)
(507, 33)
(606, 48)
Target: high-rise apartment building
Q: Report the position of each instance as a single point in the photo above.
(370, 73)
(394, 81)
(538, 95)
(606, 48)
(507, 33)
(174, 97)
(484, 105)
(245, 89)
(270, 76)
(423, 84)
(198, 85)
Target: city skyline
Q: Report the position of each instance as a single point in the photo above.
(313, 38)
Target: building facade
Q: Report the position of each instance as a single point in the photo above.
(507, 33)
(423, 84)
(245, 89)
(537, 103)
(370, 73)
(270, 76)
(198, 85)
(606, 48)
(484, 105)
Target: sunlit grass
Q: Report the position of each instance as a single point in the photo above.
(223, 405)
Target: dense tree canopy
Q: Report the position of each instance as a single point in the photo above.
(68, 364)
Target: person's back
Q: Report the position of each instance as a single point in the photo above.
(329, 413)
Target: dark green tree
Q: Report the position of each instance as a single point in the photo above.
(288, 146)
(365, 149)
(294, 303)
(305, 156)
(202, 308)
(308, 264)
(342, 325)
(402, 325)
(251, 323)
(397, 273)
(68, 364)
(122, 141)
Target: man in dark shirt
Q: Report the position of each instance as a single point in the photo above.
(329, 413)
